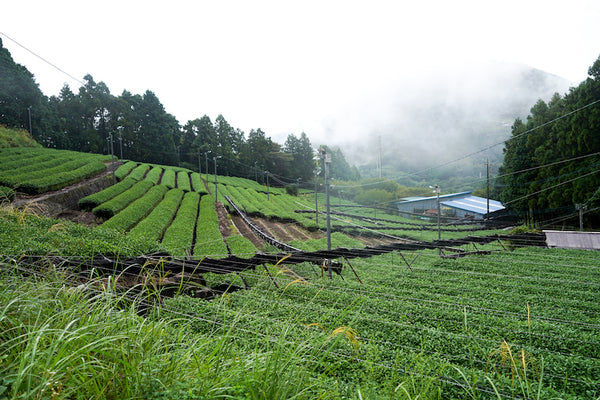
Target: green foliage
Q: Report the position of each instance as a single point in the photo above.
(36, 170)
(119, 202)
(6, 194)
(60, 178)
(209, 241)
(198, 183)
(153, 226)
(139, 172)
(183, 181)
(292, 189)
(240, 246)
(95, 199)
(547, 167)
(168, 178)
(11, 137)
(136, 210)
(26, 233)
(154, 175)
(179, 236)
(125, 169)
(374, 196)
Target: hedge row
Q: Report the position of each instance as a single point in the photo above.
(94, 200)
(240, 246)
(154, 225)
(198, 183)
(154, 175)
(17, 177)
(137, 210)
(168, 178)
(139, 172)
(61, 179)
(125, 169)
(183, 181)
(209, 241)
(23, 164)
(118, 203)
(179, 237)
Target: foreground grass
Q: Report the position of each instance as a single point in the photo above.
(65, 342)
(89, 342)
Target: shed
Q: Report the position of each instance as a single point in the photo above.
(458, 205)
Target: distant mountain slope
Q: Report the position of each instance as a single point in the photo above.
(445, 115)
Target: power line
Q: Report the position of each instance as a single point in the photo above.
(552, 187)
(481, 150)
(43, 59)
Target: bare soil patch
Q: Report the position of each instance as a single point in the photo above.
(224, 223)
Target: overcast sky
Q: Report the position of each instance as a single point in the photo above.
(289, 66)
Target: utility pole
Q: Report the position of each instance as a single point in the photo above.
(267, 172)
(327, 160)
(120, 130)
(199, 165)
(216, 193)
(255, 172)
(316, 199)
(112, 156)
(206, 157)
(487, 169)
(436, 190)
(29, 113)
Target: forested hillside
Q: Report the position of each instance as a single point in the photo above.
(552, 160)
(137, 127)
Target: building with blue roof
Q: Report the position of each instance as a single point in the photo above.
(455, 205)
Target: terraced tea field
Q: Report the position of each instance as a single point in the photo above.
(520, 322)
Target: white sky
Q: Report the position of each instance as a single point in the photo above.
(289, 66)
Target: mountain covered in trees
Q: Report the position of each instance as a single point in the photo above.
(141, 129)
(552, 159)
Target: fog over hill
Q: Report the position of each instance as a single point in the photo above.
(441, 115)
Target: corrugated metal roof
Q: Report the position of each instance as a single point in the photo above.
(573, 240)
(474, 204)
(443, 196)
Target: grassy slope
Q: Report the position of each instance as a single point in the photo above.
(11, 137)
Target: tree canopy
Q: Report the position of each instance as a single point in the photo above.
(551, 162)
(142, 130)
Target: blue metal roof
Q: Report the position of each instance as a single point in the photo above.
(474, 204)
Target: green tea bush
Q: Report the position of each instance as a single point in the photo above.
(139, 172)
(59, 179)
(209, 241)
(94, 200)
(179, 237)
(154, 175)
(137, 210)
(155, 224)
(198, 183)
(168, 178)
(183, 181)
(118, 203)
(125, 169)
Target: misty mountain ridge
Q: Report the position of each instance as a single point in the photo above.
(441, 116)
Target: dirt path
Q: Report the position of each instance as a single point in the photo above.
(247, 232)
